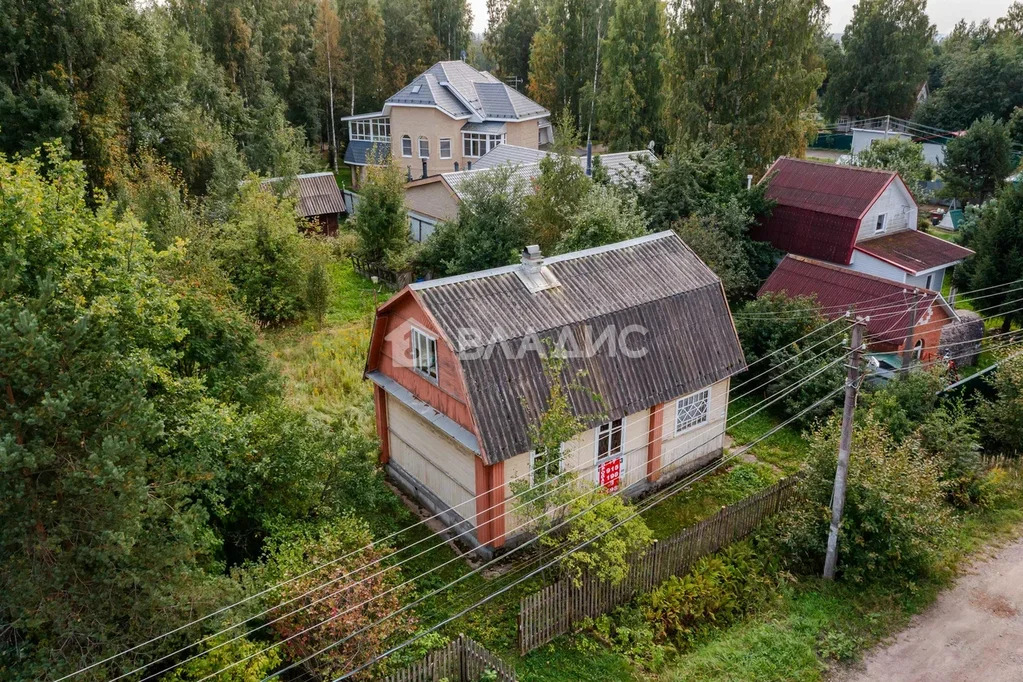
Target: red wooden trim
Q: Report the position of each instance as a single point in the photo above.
(653, 448)
(497, 502)
(380, 402)
(482, 502)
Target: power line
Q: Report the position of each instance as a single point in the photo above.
(479, 568)
(660, 498)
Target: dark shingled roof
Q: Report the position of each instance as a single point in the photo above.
(655, 282)
(357, 152)
(914, 251)
(819, 207)
(837, 289)
(318, 194)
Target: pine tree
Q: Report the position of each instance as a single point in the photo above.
(629, 97)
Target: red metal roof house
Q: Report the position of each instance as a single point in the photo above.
(888, 304)
(863, 219)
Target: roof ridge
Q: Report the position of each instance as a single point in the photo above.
(561, 258)
(839, 166)
(856, 273)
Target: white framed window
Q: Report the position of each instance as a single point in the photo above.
(610, 437)
(918, 350)
(406, 145)
(692, 411)
(424, 354)
(445, 147)
(929, 281)
(424, 148)
(544, 466)
(370, 129)
(475, 145)
(882, 223)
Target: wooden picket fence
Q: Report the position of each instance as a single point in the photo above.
(557, 608)
(460, 660)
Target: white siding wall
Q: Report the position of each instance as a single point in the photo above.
(869, 265)
(937, 279)
(432, 458)
(581, 451)
(897, 204)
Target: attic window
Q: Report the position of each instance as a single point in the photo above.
(416, 88)
(882, 223)
(424, 354)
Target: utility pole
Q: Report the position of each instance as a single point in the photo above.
(907, 344)
(852, 387)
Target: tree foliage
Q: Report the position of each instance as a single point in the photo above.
(894, 509)
(977, 163)
(630, 91)
(510, 30)
(382, 221)
(745, 73)
(979, 73)
(785, 342)
(885, 53)
(604, 216)
(901, 155)
(1001, 417)
(489, 231)
(330, 608)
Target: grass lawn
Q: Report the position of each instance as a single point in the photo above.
(785, 449)
(322, 367)
(344, 177)
(815, 625)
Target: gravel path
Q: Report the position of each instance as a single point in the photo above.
(973, 632)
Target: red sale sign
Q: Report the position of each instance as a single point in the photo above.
(609, 472)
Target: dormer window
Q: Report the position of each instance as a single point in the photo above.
(882, 223)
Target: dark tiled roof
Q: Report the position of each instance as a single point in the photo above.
(318, 194)
(462, 91)
(819, 207)
(914, 251)
(357, 152)
(837, 289)
(654, 282)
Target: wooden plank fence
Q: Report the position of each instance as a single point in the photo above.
(393, 279)
(557, 608)
(460, 660)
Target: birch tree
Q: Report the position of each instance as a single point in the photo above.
(328, 35)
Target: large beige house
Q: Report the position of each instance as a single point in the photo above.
(458, 377)
(447, 117)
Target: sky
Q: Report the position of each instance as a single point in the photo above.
(944, 13)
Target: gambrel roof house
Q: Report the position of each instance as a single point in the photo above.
(436, 198)
(446, 117)
(458, 374)
(859, 218)
(888, 304)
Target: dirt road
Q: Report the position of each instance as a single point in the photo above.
(973, 632)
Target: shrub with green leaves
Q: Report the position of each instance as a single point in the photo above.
(949, 436)
(895, 511)
(719, 589)
(902, 405)
(1001, 418)
(260, 249)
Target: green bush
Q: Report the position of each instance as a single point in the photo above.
(895, 513)
(260, 249)
(902, 405)
(949, 436)
(627, 632)
(719, 589)
(1001, 418)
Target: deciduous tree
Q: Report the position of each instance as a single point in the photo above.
(745, 73)
(977, 163)
(885, 52)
